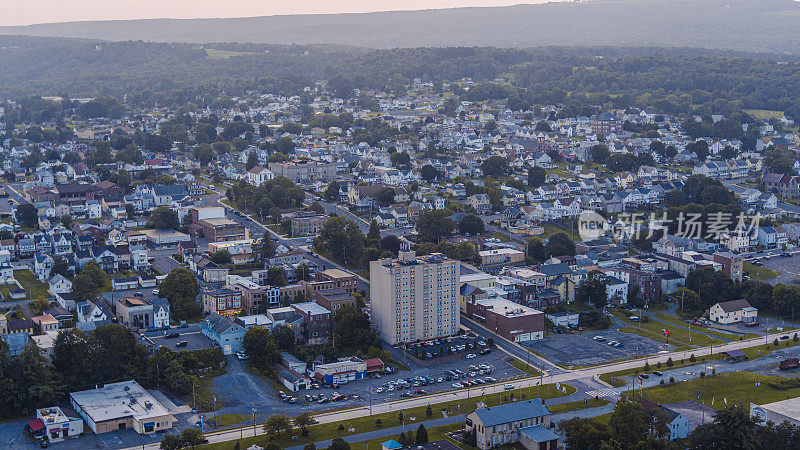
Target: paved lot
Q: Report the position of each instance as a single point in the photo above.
(789, 267)
(580, 350)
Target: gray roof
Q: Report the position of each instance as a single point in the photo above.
(220, 324)
(512, 412)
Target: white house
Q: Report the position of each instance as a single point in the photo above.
(59, 284)
(732, 312)
(258, 175)
(617, 291)
(160, 313)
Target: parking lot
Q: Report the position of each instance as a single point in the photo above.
(437, 351)
(580, 349)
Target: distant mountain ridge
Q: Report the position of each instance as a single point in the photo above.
(762, 26)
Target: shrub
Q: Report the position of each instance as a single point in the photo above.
(671, 380)
(669, 362)
(661, 382)
(658, 365)
(775, 342)
(692, 358)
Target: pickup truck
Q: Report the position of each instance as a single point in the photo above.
(789, 364)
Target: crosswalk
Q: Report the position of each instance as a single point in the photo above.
(605, 392)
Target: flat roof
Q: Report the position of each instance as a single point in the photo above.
(117, 400)
(789, 408)
(507, 308)
(311, 308)
(218, 221)
(337, 273)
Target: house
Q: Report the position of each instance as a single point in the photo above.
(767, 237)
(90, 312)
(134, 312)
(223, 301)
(59, 284)
(563, 319)
(160, 313)
(480, 202)
(525, 422)
(733, 311)
(677, 423)
(125, 283)
(224, 331)
(258, 175)
(45, 323)
(55, 425)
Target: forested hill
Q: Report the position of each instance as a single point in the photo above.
(749, 25)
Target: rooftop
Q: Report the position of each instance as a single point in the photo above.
(117, 400)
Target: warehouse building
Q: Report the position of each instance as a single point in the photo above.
(121, 406)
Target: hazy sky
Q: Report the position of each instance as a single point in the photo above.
(25, 12)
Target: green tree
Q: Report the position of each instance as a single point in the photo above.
(339, 444)
(733, 427)
(627, 423)
(221, 256)
(342, 238)
(332, 191)
(171, 442)
(164, 218)
(276, 424)
(422, 435)
(260, 347)
(584, 433)
(27, 215)
(275, 277)
(303, 420)
(374, 234)
(592, 289)
(536, 176)
(265, 248)
(252, 160)
(495, 166)
(599, 153)
(352, 329)
(432, 225)
(204, 153)
(559, 244)
(36, 381)
(428, 172)
(192, 437)
(471, 224)
(180, 288)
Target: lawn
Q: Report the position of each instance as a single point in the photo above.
(32, 286)
(502, 237)
(412, 416)
(677, 321)
(551, 229)
(619, 378)
(759, 273)
(226, 420)
(523, 366)
(654, 336)
(764, 114)
(677, 335)
(578, 405)
(737, 387)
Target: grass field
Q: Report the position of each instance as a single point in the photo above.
(677, 335)
(502, 237)
(675, 320)
(621, 377)
(523, 366)
(737, 387)
(764, 114)
(578, 405)
(226, 420)
(759, 273)
(387, 420)
(551, 229)
(32, 286)
(223, 54)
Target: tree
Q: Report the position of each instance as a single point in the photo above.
(543, 126)
(390, 243)
(584, 433)
(192, 437)
(339, 444)
(559, 244)
(332, 191)
(283, 337)
(422, 435)
(733, 427)
(428, 172)
(599, 153)
(275, 277)
(495, 166)
(302, 272)
(627, 423)
(265, 248)
(260, 347)
(385, 196)
(204, 153)
(310, 446)
(252, 160)
(374, 234)
(89, 282)
(471, 224)
(61, 267)
(27, 215)
(728, 152)
(36, 381)
(432, 225)
(303, 420)
(352, 329)
(592, 289)
(171, 442)
(164, 218)
(342, 238)
(180, 288)
(658, 148)
(536, 176)
(276, 424)
(700, 148)
(221, 256)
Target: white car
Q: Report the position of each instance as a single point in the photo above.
(155, 291)
(508, 387)
(599, 338)
(458, 385)
(470, 355)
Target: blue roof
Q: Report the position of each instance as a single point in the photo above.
(512, 412)
(391, 444)
(539, 433)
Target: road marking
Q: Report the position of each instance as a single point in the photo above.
(605, 392)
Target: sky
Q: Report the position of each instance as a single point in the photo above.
(26, 12)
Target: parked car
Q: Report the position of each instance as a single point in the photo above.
(599, 338)
(752, 324)
(485, 351)
(508, 387)
(181, 344)
(658, 373)
(470, 355)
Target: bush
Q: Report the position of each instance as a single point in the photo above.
(692, 358)
(669, 362)
(658, 365)
(661, 382)
(775, 342)
(702, 374)
(671, 380)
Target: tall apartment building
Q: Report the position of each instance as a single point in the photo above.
(414, 298)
